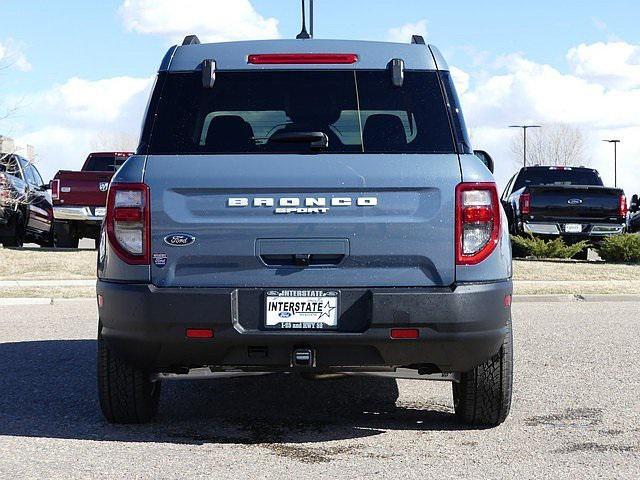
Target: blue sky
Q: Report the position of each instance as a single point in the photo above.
(84, 67)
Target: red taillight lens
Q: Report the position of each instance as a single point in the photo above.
(127, 222)
(302, 58)
(622, 206)
(477, 222)
(525, 204)
(55, 189)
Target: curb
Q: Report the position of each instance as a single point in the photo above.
(18, 301)
(556, 298)
(546, 298)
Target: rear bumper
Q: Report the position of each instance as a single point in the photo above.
(594, 232)
(82, 214)
(459, 327)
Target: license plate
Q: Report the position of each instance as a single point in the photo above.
(573, 228)
(301, 309)
(100, 211)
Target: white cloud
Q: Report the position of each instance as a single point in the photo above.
(615, 64)
(12, 55)
(513, 89)
(67, 118)
(403, 33)
(211, 20)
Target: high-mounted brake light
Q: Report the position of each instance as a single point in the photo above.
(127, 222)
(477, 222)
(525, 203)
(622, 206)
(302, 58)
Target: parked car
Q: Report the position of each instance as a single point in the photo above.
(634, 214)
(304, 206)
(567, 202)
(79, 198)
(26, 211)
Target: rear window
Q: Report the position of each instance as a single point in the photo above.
(548, 176)
(358, 111)
(104, 163)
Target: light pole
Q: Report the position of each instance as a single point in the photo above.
(524, 137)
(615, 160)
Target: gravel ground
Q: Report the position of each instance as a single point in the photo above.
(575, 414)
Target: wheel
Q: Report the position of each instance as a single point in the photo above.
(17, 238)
(483, 395)
(582, 255)
(66, 235)
(127, 394)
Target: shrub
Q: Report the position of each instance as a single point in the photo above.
(621, 248)
(538, 248)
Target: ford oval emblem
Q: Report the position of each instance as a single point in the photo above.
(179, 239)
(284, 314)
(574, 201)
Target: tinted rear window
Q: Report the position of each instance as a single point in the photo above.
(546, 176)
(359, 111)
(104, 163)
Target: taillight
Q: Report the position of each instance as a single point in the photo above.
(127, 222)
(302, 58)
(477, 222)
(622, 206)
(525, 204)
(55, 189)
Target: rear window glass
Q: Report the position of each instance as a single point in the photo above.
(104, 163)
(358, 111)
(547, 176)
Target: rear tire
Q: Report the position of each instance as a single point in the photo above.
(127, 393)
(483, 396)
(16, 239)
(66, 235)
(583, 255)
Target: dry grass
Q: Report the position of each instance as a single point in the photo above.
(530, 278)
(551, 271)
(39, 264)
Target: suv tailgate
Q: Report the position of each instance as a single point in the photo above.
(406, 239)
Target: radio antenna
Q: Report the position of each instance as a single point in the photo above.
(304, 35)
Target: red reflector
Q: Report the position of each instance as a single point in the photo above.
(302, 58)
(477, 214)
(100, 300)
(507, 301)
(199, 333)
(127, 214)
(405, 333)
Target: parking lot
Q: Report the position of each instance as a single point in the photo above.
(575, 413)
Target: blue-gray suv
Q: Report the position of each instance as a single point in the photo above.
(309, 206)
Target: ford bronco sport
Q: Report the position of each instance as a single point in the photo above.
(307, 206)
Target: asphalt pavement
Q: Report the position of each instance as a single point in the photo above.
(575, 413)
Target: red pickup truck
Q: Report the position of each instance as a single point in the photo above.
(79, 198)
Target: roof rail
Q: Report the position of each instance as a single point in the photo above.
(191, 40)
(417, 39)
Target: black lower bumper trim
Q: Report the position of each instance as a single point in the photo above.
(459, 327)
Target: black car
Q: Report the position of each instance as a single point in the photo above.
(26, 210)
(567, 202)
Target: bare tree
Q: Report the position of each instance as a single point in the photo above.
(559, 144)
(114, 141)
